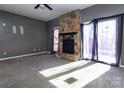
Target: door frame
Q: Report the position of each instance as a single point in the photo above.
(53, 40)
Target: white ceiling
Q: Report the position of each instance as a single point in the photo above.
(42, 14)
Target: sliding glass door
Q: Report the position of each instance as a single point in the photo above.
(107, 41)
(88, 40)
(102, 40)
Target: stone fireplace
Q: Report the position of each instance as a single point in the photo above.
(69, 37)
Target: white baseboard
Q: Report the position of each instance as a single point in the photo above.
(25, 55)
(121, 65)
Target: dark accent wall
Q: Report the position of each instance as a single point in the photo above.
(103, 10)
(50, 25)
(35, 35)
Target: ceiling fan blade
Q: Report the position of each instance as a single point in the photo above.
(46, 5)
(37, 6)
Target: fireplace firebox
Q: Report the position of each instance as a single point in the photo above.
(68, 46)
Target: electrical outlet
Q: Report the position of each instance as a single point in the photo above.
(14, 29)
(4, 24)
(43, 48)
(39, 49)
(34, 49)
(4, 53)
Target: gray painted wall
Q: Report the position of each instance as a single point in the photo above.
(50, 25)
(101, 10)
(35, 35)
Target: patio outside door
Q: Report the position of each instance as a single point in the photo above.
(107, 41)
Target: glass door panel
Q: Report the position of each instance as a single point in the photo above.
(88, 33)
(107, 41)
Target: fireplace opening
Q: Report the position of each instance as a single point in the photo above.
(68, 46)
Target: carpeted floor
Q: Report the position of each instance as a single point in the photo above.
(48, 71)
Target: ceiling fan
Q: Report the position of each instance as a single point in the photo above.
(43, 5)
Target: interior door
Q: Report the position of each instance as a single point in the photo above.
(107, 41)
(55, 40)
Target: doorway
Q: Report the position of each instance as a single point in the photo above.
(107, 41)
(88, 40)
(55, 40)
